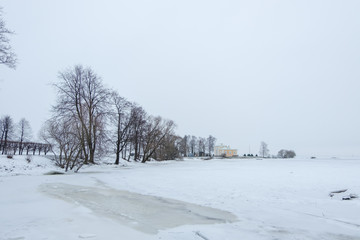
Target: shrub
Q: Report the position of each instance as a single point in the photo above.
(286, 153)
(28, 158)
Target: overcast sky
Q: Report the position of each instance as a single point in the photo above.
(283, 72)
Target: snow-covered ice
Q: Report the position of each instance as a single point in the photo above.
(225, 199)
(142, 212)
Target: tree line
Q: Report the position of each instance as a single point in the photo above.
(283, 153)
(89, 120)
(16, 138)
(191, 146)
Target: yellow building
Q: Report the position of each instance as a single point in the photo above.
(222, 150)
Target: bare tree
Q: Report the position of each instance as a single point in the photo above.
(7, 56)
(169, 149)
(123, 120)
(264, 151)
(201, 146)
(51, 134)
(82, 96)
(62, 135)
(137, 131)
(7, 131)
(24, 133)
(193, 145)
(283, 153)
(2, 132)
(156, 130)
(211, 144)
(184, 145)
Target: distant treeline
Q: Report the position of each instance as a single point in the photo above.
(20, 148)
(16, 138)
(192, 146)
(89, 121)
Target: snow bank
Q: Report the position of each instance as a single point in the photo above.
(25, 165)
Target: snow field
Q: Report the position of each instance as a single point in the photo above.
(271, 198)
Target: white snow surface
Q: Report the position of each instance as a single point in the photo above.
(190, 199)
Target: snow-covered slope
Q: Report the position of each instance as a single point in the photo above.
(25, 165)
(270, 199)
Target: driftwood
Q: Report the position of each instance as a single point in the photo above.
(53, 173)
(339, 191)
(331, 194)
(200, 235)
(347, 197)
(350, 196)
(353, 195)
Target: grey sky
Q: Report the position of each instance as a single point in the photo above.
(283, 72)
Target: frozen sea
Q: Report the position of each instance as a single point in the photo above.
(189, 199)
